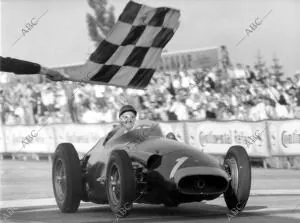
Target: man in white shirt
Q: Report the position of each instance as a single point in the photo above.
(180, 109)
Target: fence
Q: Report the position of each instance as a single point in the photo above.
(260, 139)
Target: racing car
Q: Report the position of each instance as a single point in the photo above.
(145, 166)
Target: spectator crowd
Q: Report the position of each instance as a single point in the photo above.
(221, 93)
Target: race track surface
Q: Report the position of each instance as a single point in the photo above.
(27, 197)
(259, 209)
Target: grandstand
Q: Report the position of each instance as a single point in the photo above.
(221, 92)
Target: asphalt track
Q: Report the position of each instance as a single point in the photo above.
(27, 197)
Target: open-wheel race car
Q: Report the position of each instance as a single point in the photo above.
(144, 166)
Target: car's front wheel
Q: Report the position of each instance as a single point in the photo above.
(237, 165)
(66, 178)
(120, 183)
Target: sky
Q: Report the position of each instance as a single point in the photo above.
(61, 37)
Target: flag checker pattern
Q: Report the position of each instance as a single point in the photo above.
(129, 55)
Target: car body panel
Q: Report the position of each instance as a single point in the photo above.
(167, 161)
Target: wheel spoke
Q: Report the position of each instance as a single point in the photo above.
(60, 180)
(62, 172)
(114, 184)
(232, 169)
(118, 190)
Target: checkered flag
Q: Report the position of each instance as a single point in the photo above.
(131, 52)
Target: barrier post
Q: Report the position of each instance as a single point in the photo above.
(4, 142)
(268, 142)
(185, 133)
(55, 143)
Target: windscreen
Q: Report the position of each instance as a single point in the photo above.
(141, 133)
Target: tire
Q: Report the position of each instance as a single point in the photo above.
(237, 164)
(66, 178)
(120, 176)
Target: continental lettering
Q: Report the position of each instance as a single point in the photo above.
(290, 138)
(210, 138)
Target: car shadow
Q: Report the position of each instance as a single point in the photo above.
(193, 212)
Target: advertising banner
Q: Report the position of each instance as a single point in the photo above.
(217, 137)
(260, 139)
(176, 127)
(29, 139)
(284, 137)
(2, 142)
(189, 59)
(83, 137)
(171, 61)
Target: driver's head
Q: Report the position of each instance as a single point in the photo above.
(127, 116)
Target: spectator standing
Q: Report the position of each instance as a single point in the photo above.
(179, 108)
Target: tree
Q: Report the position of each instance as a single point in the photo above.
(260, 65)
(276, 68)
(99, 26)
(103, 21)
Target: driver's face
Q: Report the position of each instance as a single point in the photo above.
(127, 120)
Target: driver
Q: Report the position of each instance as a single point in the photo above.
(127, 117)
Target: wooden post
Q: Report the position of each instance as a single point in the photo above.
(50, 158)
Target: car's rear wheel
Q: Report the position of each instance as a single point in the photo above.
(120, 183)
(237, 164)
(66, 178)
